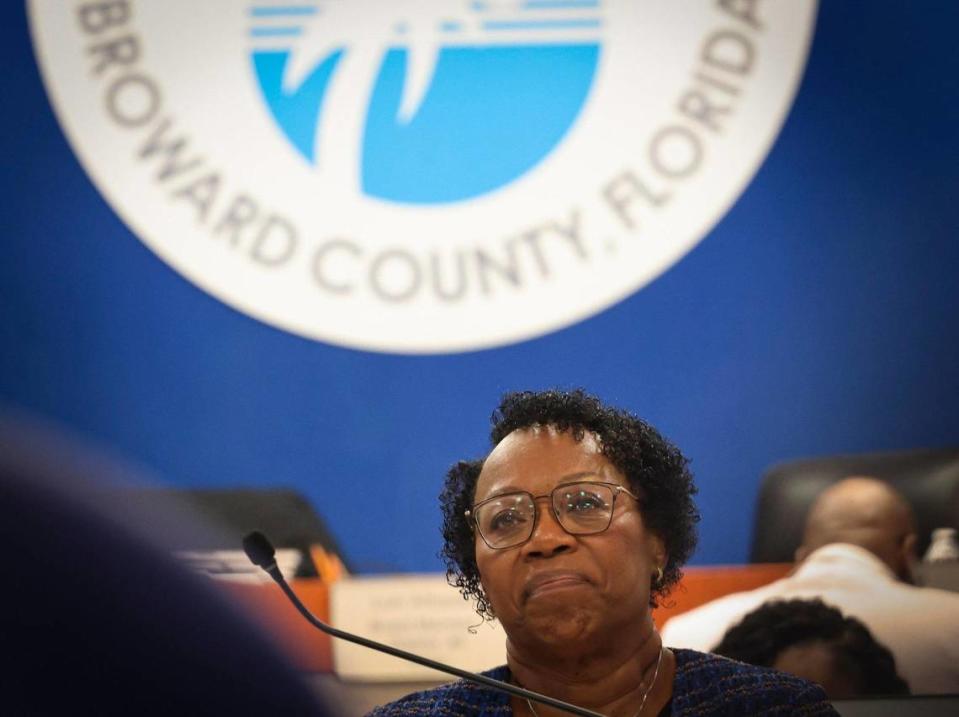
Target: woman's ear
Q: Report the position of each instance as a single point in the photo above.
(657, 551)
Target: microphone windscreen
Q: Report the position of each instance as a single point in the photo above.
(259, 549)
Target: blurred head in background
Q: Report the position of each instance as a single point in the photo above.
(810, 639)
(866, 512)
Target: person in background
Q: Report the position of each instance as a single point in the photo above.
(809, 639)
(858, 545)
(568, 532)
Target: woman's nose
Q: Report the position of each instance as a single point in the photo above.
(548, 537)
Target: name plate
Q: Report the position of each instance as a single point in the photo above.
(417, 613)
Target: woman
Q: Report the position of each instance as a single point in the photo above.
(568, 532)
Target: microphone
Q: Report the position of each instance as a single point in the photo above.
(261, 553)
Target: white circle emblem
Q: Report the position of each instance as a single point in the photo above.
(421, 176)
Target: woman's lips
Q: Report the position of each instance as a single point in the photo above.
(553, 580)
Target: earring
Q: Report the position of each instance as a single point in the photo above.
(659, 576)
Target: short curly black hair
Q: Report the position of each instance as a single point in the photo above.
(655, 469)
(762, 635)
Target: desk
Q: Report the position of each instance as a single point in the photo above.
(309, 649)
(358, 698)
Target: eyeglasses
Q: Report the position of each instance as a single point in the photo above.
(583, 508)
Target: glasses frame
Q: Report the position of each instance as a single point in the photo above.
(470, 513)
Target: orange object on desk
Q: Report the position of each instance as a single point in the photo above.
(308, 648)
(701, 585)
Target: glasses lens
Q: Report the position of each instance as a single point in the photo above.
(506, 520)
(583, 507)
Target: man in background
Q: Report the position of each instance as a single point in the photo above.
(858, 545)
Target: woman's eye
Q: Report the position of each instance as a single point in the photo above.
(583, 502)
(505, 520)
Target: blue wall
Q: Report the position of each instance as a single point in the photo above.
(819, 316)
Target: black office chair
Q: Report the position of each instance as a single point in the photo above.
(283, 514)
(929, 479)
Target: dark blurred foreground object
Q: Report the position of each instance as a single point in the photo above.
(812, 640)
(97, 619)
(929, 479)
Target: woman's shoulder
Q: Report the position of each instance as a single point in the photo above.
(461, 698)
(708, 684)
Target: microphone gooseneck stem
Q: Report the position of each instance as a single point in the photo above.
(274, 573)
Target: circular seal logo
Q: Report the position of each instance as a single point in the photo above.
(421, 176)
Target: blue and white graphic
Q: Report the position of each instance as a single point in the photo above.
(422, 176)
(468, 95)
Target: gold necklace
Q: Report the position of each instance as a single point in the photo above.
(642, 704)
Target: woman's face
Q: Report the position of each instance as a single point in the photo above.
(559, 588)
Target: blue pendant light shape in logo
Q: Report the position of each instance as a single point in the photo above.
(464, 102)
